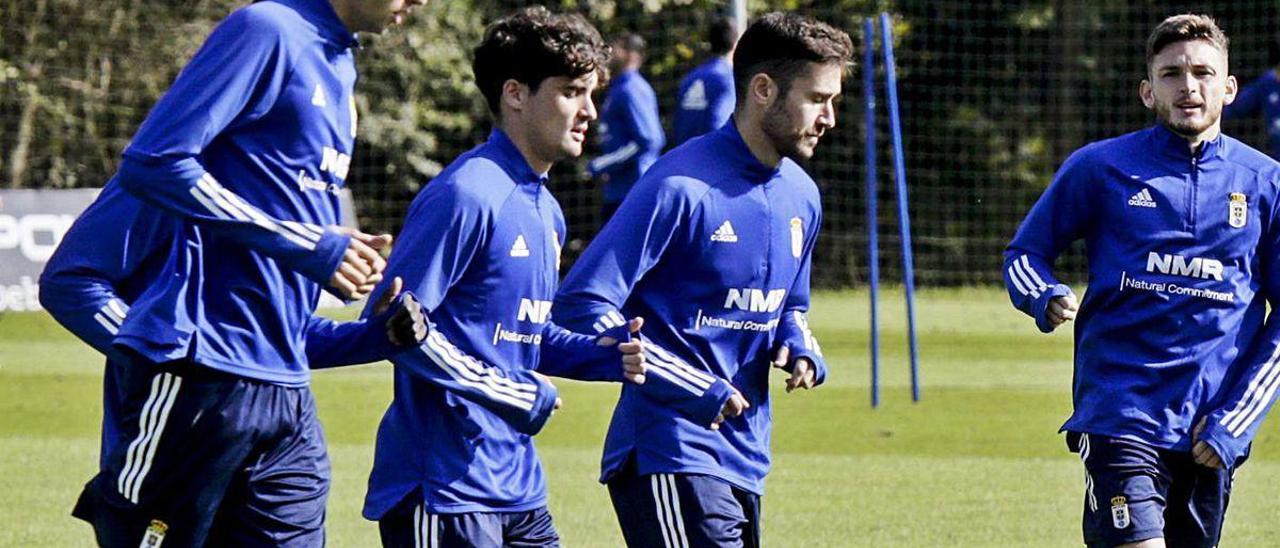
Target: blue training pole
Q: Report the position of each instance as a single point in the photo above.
(873, 239)
(900, 176)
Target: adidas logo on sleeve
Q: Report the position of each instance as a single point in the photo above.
(725, 234)
(1142, 199)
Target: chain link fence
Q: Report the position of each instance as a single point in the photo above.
(994, 96)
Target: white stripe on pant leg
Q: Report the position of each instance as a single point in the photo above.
(168, 394)
(672, 517)
(144, 424)
(433, 540)
(681, 537)
(659, 505)
(417, 525)
(138, 450)
(172, 397)
(1088, 479)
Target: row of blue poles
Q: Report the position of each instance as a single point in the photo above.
(900, 178)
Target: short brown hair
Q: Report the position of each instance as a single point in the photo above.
(534, 44)
(780, 44)
(1185, 28)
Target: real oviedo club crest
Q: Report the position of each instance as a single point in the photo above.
(1238, 212)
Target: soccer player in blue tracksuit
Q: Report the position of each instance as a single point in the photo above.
(115, 250)
(713, 248)
(631, 136)
(1262, 96)
(247, 150)
(706, 94)
(481, 247)
(1174, 364)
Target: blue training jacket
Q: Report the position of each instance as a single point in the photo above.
(713, 249)
(112, 253)
(1183, 256)
(706, 98)
(1261, 96)
(249, 147)
(630, 135)
(481, 248)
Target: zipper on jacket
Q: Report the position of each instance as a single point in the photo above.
(544, 280)
(1195, 182)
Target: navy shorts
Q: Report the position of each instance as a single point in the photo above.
(684, 511)
(410, 525)
(1135, 492)
(209, 458)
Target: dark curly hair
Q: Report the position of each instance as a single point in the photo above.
(781, 44)
(533, 44)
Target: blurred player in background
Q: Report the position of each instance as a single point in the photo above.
(706, 94)
(247, 151)
(481, 247)
(1262, 96)
(1173, 362)
(713, 248)
(631, 136)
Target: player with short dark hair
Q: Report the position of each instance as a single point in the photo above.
(631, 136)
(247, 150)
(481, 248)
(706, 96)
(1172, 355)
(713, 248)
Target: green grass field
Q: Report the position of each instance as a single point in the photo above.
(977, 463)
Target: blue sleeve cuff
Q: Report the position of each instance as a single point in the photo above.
(328, 256)
(1230, 449)
(1042, 306)
(819, 365)
(544, 405)
(708, 407)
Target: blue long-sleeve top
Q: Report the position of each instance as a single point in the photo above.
(713, 249)
(631, 135)
(481, 249)
(1261, 96)
(1183, 252)
(249, 148)
(706, 100)
(112, 253)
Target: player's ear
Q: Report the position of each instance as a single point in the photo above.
(1233, 87)
(1147, 94)
(762, 89)
(514, 95)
